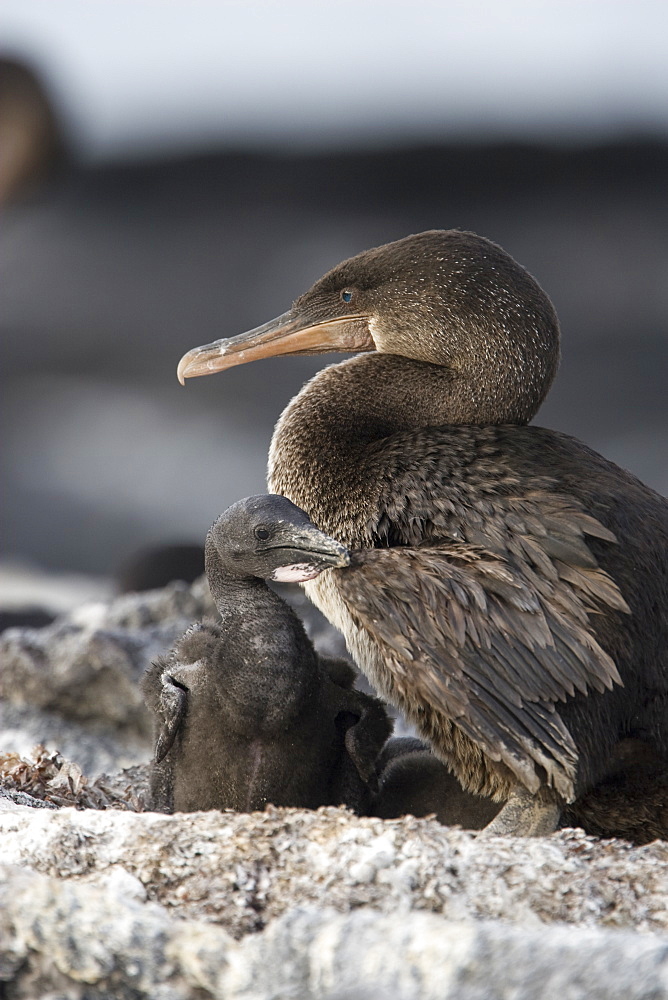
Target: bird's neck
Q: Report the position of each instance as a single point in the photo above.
(228, 589)
(242, 601)
(268, 668)
(327, 439)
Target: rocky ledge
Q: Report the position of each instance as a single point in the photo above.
(282, 905)
(293, 904)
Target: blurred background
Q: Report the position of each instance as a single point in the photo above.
(174, 173)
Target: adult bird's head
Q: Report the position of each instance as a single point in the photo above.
(270, 538)
(450, 298)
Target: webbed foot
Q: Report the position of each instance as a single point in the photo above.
(525, 815)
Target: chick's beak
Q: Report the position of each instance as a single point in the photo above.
(290, 333)
(314, 544)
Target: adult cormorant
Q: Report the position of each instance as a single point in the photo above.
(512, 601)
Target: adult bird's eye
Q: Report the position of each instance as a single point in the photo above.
(261, 533)
(346, 295)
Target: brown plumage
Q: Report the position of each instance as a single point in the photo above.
(489, 622)
(631, 802)
(246, 712)
(512, 599)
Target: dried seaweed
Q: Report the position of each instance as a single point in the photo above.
(51, 778)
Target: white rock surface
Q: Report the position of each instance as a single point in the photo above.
(286, 904)
(243, 870)
(74, 685)
(141, 905)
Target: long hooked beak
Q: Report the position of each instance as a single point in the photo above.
(287, 334)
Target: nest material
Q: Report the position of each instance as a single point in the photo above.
(52, 779)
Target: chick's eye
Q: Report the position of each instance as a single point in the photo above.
(346, 295)
(261, 533)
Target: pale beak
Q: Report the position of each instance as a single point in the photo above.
(287, 334)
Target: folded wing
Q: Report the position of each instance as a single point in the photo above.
(494, 638)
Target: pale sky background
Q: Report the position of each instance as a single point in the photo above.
(108, 277)
(139, 76)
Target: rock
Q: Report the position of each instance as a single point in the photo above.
(74, 685)
(81, 671)
(10, 797)
(144, 905)
(100, 902)
(88, 663)
(243, 871)
(93, 744)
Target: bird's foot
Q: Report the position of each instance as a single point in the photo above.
(525, 815)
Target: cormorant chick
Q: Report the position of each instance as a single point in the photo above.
(248, 714)
(411, 780)
(631, 801)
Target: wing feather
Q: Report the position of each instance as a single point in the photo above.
(493, 640)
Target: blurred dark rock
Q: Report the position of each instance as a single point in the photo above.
(24, 618)
(106, 280)
(156, 567)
